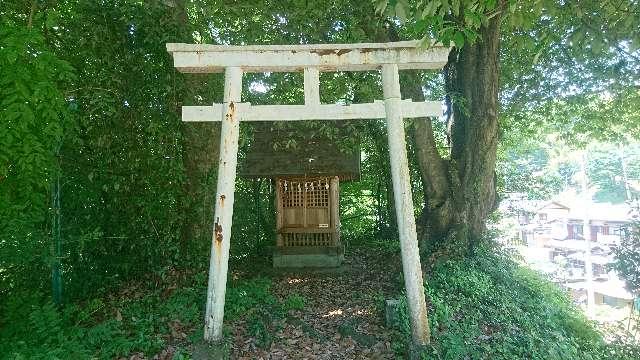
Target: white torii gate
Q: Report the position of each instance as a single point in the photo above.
(234, 60)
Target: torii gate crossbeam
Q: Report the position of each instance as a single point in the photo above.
(311, 59)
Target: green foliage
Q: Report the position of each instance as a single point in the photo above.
(124, 170)
(103, 90)
(627, 256)
(243, 297)
(531, 170)
(603, 25)
(544, 165)
(79, 333)
(259, 326)
(253, 301)
(140, 319)
(294, 302)
(567, 65)
(254, 220)
(605, 171)
(69, 110)
(543, 169)
(556, 79)
(448, 22)
(88, 94)
(34, 120)
(488, 307)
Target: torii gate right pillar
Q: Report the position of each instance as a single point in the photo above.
(236, 60)
(411, 267)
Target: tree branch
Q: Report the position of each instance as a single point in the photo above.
(34, 5)
(432, 167)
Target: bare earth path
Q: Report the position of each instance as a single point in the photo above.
(342, 316)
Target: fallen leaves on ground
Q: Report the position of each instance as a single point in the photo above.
(342, 315)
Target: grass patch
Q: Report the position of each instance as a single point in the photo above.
(145, 321)
(294, 302)
(488, 307)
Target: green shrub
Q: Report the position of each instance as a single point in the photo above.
(488, 307)
(294, 302)
(245, 295)
(33, 328)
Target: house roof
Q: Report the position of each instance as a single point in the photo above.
(596, 259)
(575, 209)
(613, 288)
(517, 203)
(552, 205)
(601, 212)
(314, 153)
(580, 245)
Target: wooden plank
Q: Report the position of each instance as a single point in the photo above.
(373, 110)
(279, 210)
(317, 216)
(334, 206)
(300, 230)
(201, 58)
(304, 207)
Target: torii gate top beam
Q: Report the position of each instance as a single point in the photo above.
(311, 59)
(204, 58)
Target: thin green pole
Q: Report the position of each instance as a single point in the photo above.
(56, 272)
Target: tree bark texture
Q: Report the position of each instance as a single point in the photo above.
(460, 190)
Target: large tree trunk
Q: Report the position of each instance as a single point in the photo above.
(460, 190)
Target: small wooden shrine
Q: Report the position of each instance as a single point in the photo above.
(311, 59)
(307, 222)
(307, 186)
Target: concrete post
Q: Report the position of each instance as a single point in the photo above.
(586, 233)
(625, 177)
(404, 206)
(311, 86)
(219, 262)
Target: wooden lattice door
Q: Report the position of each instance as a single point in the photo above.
(307, 212)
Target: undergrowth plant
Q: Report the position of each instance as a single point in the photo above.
(143, 320)
(488, 307)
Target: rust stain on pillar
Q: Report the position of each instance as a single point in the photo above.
(229, 116)
(231, 113)
(217, 229)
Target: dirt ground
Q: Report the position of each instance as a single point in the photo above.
(342, 317)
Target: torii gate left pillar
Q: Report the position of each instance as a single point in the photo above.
(225, 196)
(234, 60)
